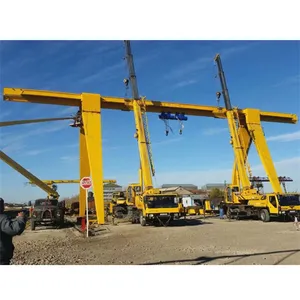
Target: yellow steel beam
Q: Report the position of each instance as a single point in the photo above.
(63, 181)
(91, 115)
(70, 99)
(259, 140)
(245, 139)
(84, 170)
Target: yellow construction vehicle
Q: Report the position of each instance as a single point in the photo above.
(244, 195)
(148, 204)
(196, 205)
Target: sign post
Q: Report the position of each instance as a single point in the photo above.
(86, 184)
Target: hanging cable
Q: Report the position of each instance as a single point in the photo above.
(167, 127)
(181, 126)
(218, 94)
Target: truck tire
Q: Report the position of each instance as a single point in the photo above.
(32, 225)
(264, 215)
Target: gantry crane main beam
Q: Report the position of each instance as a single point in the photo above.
(90, 140)
(70, 99)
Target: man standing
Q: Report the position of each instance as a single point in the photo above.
(8, 229)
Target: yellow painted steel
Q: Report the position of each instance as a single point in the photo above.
(84, 169)
(238, 151)
(69, 99)
(13, 164)
(245, 139)
(57, 181)
(258, 137)
(142, 144)
(90, 136)
(91, 115)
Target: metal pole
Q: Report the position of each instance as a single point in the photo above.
(87, 213)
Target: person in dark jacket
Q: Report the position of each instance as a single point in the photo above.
(8, 229)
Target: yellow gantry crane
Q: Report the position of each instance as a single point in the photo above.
(242, 197)
(89, 121)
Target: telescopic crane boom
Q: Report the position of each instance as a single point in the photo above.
(142, 133)
(236, 143)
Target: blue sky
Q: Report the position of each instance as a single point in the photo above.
(260, 74)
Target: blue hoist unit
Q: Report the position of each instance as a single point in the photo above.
(180, 117)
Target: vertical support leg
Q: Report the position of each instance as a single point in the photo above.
(258, 137)
(245, 139)
(84, 170)
(91, 114)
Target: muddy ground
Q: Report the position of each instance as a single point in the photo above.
(198, 241)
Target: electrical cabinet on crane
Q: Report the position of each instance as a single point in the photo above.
(242, 196)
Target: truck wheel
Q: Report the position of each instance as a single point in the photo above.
(142, 220)
(32, 225)
(264, 215)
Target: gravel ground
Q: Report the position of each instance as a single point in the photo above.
(209, 241)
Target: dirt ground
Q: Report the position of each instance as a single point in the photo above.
(196, 241)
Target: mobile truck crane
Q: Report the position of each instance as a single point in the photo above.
(146, 203)
(242, 196)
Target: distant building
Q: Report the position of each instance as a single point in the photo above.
(109, 189)
(183, 185)
(210, 186)
(177, 189)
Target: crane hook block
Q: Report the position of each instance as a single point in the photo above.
(169, 116)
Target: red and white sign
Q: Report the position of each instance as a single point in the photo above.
(86, 183)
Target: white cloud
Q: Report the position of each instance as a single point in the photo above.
(184, 83)
(195, 65)
(287, 137)
(17, 140)
(214, 131)
(5, 114)
(69, 158)
(167, 141)
(67, 111)
(295, 79)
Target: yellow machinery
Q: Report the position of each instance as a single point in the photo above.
(149, 204)
(194, 205)
(89, 122)
(242, 196)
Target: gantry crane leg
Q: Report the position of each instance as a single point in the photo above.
(245, 138)
(91, 115)
(258, 137)
(84, 170)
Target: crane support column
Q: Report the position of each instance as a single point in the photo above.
(258, 137)
(91, 115)
(245, 139)
(84, 170)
